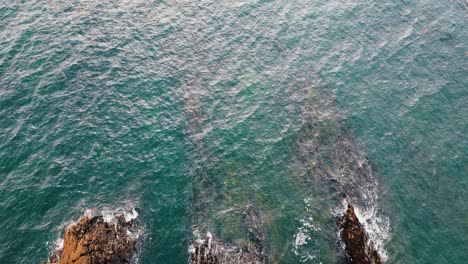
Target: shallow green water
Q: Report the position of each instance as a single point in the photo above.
(192, 111)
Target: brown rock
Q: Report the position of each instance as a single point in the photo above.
(355, 239)
(92, 240)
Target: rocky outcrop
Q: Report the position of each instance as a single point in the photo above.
(211, 250)
(204, 252)
(356, 242)
(92, 240)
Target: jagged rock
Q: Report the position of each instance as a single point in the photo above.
(204, 253)
(92, 240)
(355, 239)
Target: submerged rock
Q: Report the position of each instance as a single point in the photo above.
(242, 242)
(211, 250)
(93, 240)
(356, 242)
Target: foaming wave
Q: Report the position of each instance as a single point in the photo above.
(304, 240)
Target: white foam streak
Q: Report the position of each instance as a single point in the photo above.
(304, 235)
(377, 228)
(58, 244)
(130, 216)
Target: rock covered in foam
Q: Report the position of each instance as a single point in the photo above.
(93, 240)
(354, 236)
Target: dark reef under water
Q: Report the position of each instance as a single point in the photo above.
(250, 123)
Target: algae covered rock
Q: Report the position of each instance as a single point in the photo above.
(356, 242)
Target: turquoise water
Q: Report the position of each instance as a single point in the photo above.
(194, 112)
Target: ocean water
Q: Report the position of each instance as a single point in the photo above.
(216, 116)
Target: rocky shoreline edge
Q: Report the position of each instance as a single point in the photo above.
(93, 240)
